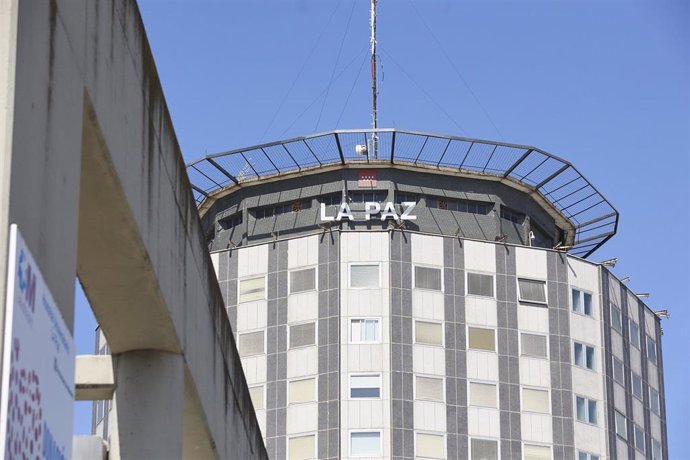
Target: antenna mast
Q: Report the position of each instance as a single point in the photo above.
(374, 111)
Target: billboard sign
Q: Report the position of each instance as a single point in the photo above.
(38, 365)
(372, 210)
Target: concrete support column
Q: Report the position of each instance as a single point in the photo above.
(150, 404)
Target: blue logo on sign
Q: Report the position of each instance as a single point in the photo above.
(26, 277)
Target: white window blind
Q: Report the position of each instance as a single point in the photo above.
(251, 343)
(532, 452)
(302, 335)
(365, 386)
(302, 280)
(533, 345)
(482, 339)
(532, 290)
(365, 443)
(301, 391)
(365, 330)
(428, 333)
(252, 289)
(484, 449)
(427, 278)
(535, 400)
(429, 388)
(302, 447)
(430, 446)
(257, 395)
(480, 284)
(364, 276)
(483, 394)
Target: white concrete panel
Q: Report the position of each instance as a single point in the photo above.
(530, 263)
(427, 250)
(215, 260)
(480, 256)
(621, 449)
(484, 422)
(585, 329)
(652, 374)
(364, 246)
(537, 428)
(480, 311)
(590, 438)
(619, 397)
(252, 260)
(655, 426)
(428, 305)
(482, 366)
(588, 383)
(254, 369)
(650, 323)
(617, 344)
(303, 307)
(535, 372)
(429, 416)
(303, 252)
(533, 319)
(261, 418)
(302, 362)
(614, 291)
(252, 315)
(302, 418)
(365, 414)
(638, 411)
(366, 358)
(583, 275)
(429, 360)
(633, 311)
(635, 360)
(365, 302)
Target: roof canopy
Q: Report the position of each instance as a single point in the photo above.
(553, 179)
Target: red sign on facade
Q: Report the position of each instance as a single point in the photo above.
(367, 178)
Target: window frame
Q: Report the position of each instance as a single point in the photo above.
(634, 374)
(536, 444)
(657, 399)
(440, 434)
(297, 269)
(429, 376)
(364, 374)
(545, 303)
(252, 331)
(533, 388)
(656, 443)
(637, 428)
(654, 361)
(479, 350)
(302, 435)
(414, 277)
(587, 412)
(582, 293)
(302, 323)
(467, 284)
(594, 356)
(630, 335)
(315, 378)
(379, 330)
(613, 370)
(615, 424)
(432, 321)
(613, 306)
(546, 339)
(251, 277)
(480, 438)
(365, 430)
(482, 382)
(590, 455)
(349, 275)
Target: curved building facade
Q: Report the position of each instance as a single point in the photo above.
(432, 298)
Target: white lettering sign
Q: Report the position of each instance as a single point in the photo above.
(38, 365)
(371, 210)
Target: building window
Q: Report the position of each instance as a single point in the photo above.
(302, 335)
(365, 444)
(513, 216)
(534, 400)
(365, 386)
(586, 410)
(639, 439)
(429, 388)
(584, 355)
(231, 221)
(483, 449)
(656, 450)
(532, 290)
(302, 447)
(365, 276)
(618, 372)
(428, 333)
(427, 278)
(368, 196)
(616, 318)
(586, 456)
(654, 405)
(365, 330)
(533, 345)
(637, 385)
(480, 284)
(251, 343)
(302, 391)
(257, 395)
(282, 208)
(634, 334)
(302, 280)
(582, 302)
(334, 199)
(405, 198)
(252, 289)
(621, 425)
(483, 394)
(479, 338)
(430, 445)
(651, 349)
(472, 207)
(534, 452)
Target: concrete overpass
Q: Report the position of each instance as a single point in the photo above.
(91, 172)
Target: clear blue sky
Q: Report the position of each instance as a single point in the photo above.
(604, 84)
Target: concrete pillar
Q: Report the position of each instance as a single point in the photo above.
(150, 404)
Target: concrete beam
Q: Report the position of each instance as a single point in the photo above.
(93, 378)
